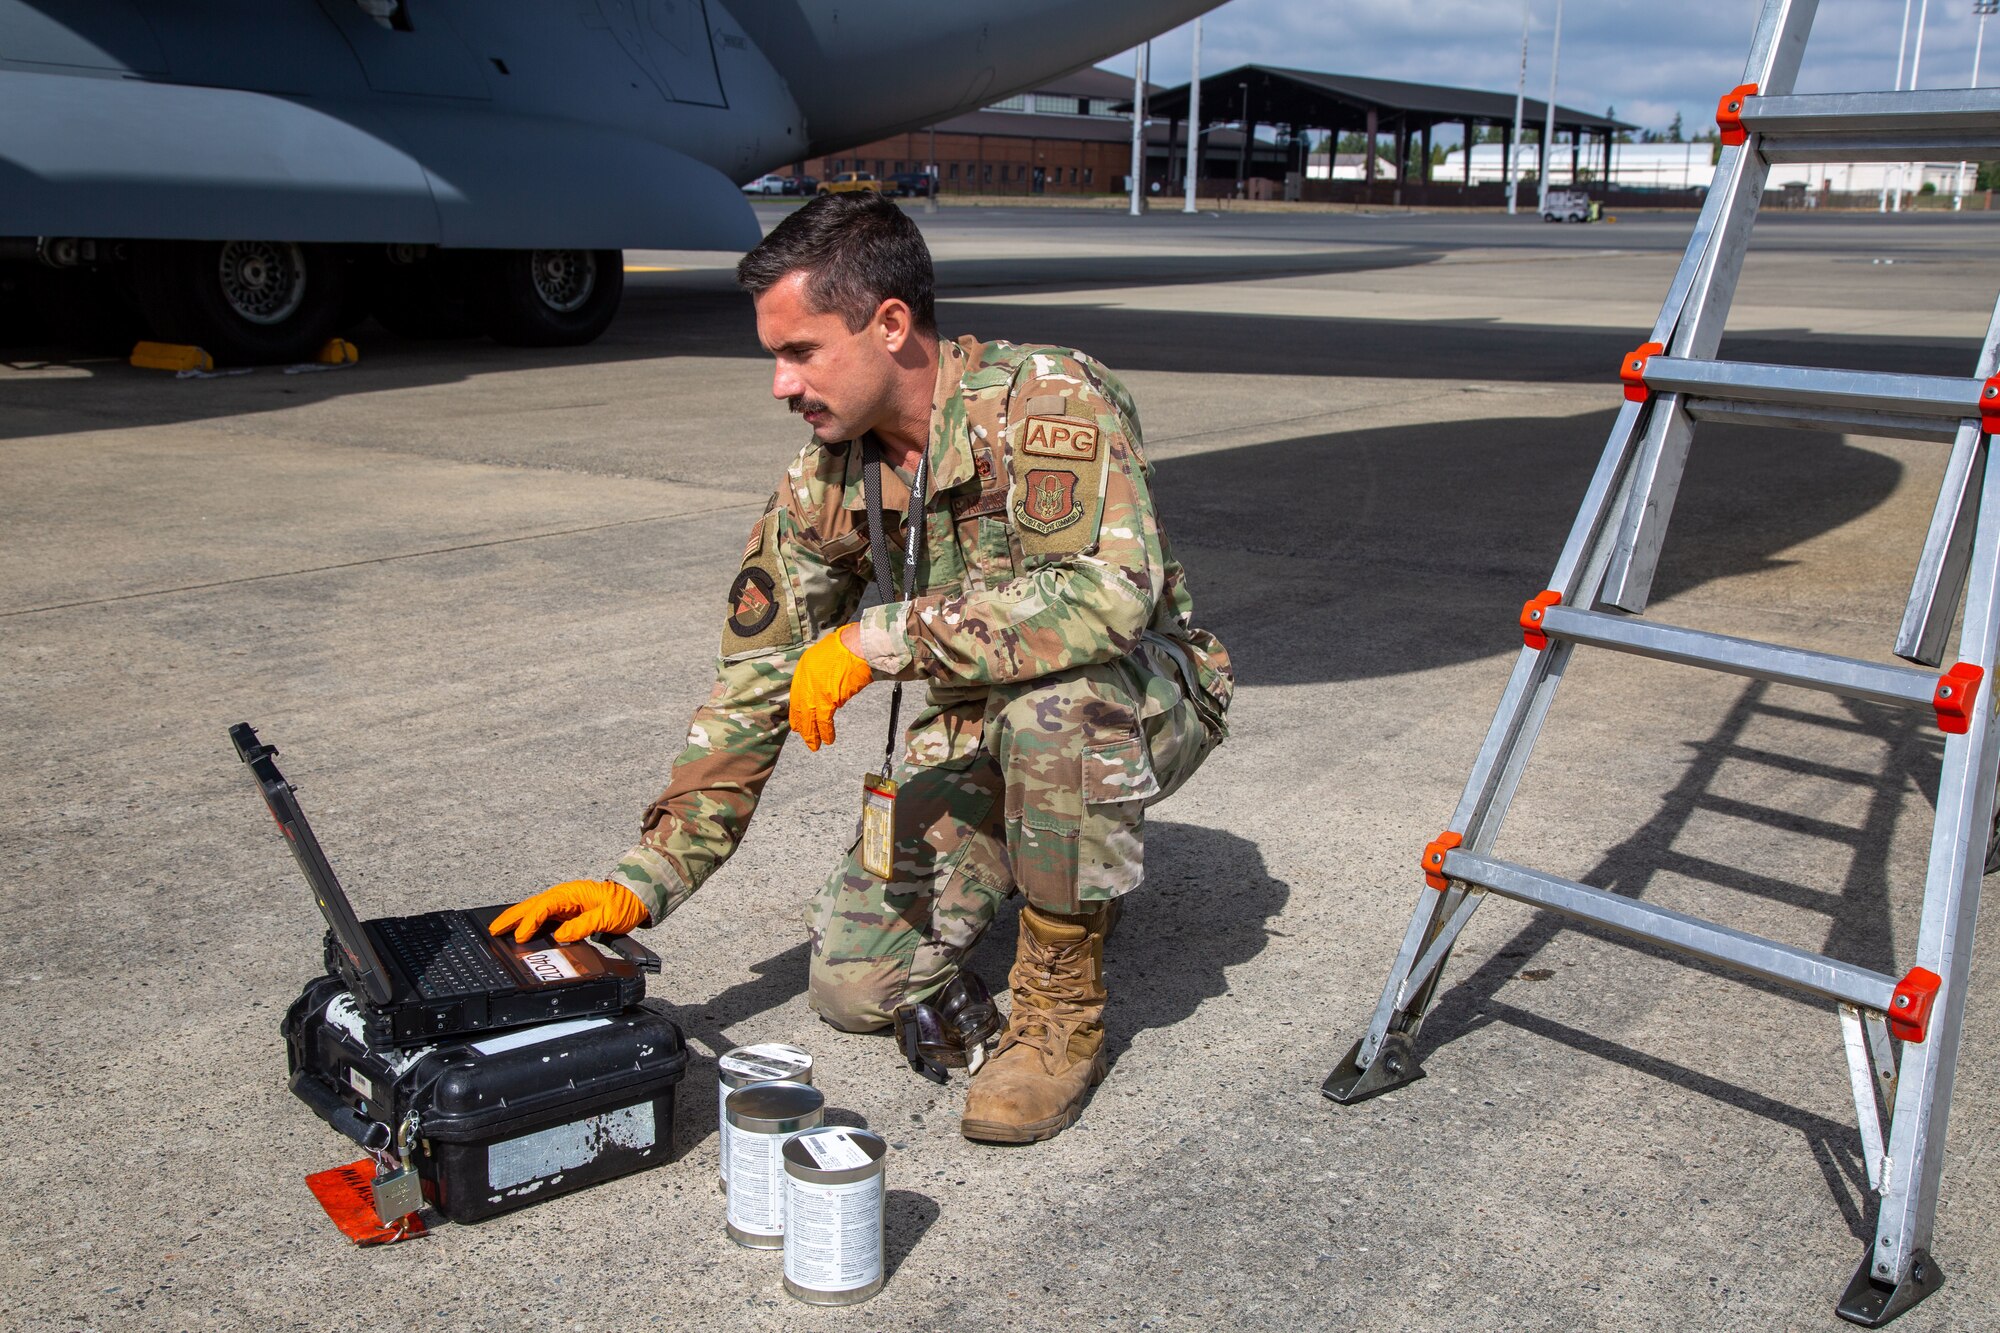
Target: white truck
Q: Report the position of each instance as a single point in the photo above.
(1569, 206)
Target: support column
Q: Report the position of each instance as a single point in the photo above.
(1425, 146)
(1402, 153)
(1506, 151)
(1575, 154)
(1468, 154)
(1368, 133)
(1243, 154)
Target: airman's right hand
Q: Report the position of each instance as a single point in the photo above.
(583, 906)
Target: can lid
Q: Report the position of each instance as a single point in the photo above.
(768, 1060)
(834, 1148)
(774, 1104)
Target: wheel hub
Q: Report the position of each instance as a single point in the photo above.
(564, 279)
(263, 282)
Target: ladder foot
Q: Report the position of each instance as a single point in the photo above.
(1872, 1304)
(1394, 1065)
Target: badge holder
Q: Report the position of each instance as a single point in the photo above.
(878, 790)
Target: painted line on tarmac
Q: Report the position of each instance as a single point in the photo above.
(376, 560)
(654, 268)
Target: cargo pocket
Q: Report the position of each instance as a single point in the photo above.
(1118, 770)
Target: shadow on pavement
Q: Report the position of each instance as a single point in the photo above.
(1390, 551)
(1859, 926)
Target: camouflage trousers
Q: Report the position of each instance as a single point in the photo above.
(1052, 805)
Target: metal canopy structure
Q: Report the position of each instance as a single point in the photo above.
(1305, 100)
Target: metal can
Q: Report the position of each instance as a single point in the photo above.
(833, 1215)
(761, 1117)
(769, 1062)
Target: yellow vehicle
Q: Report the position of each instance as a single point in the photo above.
(847, 182)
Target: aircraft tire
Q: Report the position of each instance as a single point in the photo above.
(428, 299)
(244, 302)
(551, 298)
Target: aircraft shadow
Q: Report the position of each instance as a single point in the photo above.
(1395, 550)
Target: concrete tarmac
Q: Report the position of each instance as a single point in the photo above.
(472, 593)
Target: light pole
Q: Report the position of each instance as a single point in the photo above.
(1916, 61)
(1983, 10)
(1139, 130)
(1902, 48)
(1549, 125)
(931, 173)
(1520, 94)
(1193, 156)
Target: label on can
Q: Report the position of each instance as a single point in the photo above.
(766, 1063)
(835, 1150)
(756, 1175)
(769, 1062)
(833, 1233)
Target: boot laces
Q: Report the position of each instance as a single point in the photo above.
(1061, 993)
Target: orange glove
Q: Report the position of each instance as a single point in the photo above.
(828, 676)
(584, 906)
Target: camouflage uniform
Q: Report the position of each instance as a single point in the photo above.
(1068, 686)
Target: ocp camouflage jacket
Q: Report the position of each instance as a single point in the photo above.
(1041, 553)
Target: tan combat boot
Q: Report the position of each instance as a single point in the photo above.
(1052, 1052)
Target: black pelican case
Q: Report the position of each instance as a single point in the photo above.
(500, 1119)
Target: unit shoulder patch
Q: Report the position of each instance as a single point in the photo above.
(753, 602)
(760, 616)
(1048, 500)
(1068, 438)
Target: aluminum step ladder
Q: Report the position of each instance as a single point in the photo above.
(1901, 1033)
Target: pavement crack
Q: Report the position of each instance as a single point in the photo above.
(375, 560)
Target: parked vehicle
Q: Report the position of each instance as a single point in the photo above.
(770, 184)
(848, 182)
(1569, 206)
(910, 184)
(801, 184)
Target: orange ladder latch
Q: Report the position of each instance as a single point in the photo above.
(1910, 1004)
(1632, 370)
(1434, 858)
(1957, 691)
(1532, 633)
(1729, 113)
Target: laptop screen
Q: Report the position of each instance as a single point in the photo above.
(365, 965)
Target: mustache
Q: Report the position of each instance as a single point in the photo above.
(801, 403)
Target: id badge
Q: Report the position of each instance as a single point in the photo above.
(878, 826)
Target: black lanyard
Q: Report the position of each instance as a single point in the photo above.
(878, 551)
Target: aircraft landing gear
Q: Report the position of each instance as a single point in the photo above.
(245, 302)
(550, 298)
(416, 292)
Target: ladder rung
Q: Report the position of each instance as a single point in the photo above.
(1811, 972)
(1849, 676)
(1938, 124)
(1835, 393)
(1880, 425)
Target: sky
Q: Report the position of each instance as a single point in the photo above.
(1646, 58)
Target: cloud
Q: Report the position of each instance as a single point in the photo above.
(1646, 58)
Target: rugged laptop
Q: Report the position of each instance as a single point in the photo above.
(419, 978)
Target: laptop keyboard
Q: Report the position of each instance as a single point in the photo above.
(442, 956)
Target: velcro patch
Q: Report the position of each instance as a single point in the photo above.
(1049, 502)
(753, 602)
(1068, 438)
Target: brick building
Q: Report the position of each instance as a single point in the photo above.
(1062, 138)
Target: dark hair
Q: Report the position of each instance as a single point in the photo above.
(859, 250)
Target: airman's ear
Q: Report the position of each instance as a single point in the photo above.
(894, 324)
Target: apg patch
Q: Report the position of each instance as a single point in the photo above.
(753, 602)
(1068, 438)
(1048, 500)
